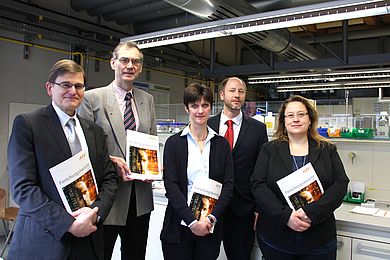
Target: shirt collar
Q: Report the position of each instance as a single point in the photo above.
(119, 92)
(236, 120)
(64, 117)
(186, 131)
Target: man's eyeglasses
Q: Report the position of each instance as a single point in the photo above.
(299, 115)
(68, 85)
(125, 61)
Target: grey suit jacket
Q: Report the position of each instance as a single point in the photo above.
(38, 143)
(100, 105)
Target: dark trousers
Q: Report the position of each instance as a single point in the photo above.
(82, 248)
(270, 253)
(191, 247)
(133, 236)
(238, 235)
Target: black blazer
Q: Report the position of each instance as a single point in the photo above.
(274, 163)
(38, 143)
(252, 136)
(176, 181)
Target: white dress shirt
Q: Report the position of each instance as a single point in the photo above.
(237, 122)
(64, 118)
(198, 161)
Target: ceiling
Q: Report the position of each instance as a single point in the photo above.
(305, 49)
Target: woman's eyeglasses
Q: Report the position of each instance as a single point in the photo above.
(293, 115)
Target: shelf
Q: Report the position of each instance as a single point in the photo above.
(352, 140)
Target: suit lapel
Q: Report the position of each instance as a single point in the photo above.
(212, 159)
(183, 162)
(140, 105)
(241, 134)
(214, 122)
(88, 137)
(116, 120)
(50, 119)
(285, 155)
(314, 152)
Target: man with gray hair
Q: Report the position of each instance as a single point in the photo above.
(116, 108)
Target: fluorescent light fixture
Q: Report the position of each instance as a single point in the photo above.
(330, 88)
(298, 16)
(326, 76)
(337, 85)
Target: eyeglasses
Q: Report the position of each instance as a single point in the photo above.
(125, 61)
(68, 85)
(299, 115)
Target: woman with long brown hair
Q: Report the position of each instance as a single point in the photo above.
(310, 231)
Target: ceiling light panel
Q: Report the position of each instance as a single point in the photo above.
(328, 76)
(303, 15)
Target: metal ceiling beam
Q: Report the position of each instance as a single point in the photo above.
(30, 29)
(129, 11)
(110, 7)
(199, 59)
(64, 19)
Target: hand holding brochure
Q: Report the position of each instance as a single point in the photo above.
(143, 156)
(203, 198)
(301, 187)
(75, 181)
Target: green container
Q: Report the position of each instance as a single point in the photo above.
(346, 196)
(348, 132)
(364, 133)
(358, 199)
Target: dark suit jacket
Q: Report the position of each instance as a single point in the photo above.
(38, 143)
(176, 181)
(252, 136)
(274, 163)
(100, 106)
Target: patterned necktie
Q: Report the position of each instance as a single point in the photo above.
(73, 139)
(229, 135)
(129, 119)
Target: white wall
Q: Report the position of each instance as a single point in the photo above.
(370, 166)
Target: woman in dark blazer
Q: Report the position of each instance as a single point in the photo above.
(196, 151)
(310, 231)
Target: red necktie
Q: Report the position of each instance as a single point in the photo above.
(229, 135)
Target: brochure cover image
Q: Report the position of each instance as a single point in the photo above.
(202, 205)
(203, 198)
(143, 156)
(310, 193)
(301, 187)
(81, 192)
(143, 161)
(75, 182)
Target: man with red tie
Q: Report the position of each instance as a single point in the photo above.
(246, 137)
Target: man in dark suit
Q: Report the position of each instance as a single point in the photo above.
(249, 136)
(106, 106)
(41, 140)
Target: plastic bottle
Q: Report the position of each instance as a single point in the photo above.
(270, 123)
(383, 124)
(258, 116)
